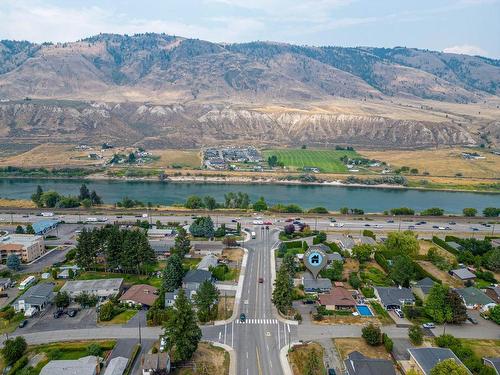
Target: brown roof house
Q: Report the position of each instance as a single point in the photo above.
(494, 293)
(144, 295)
(337, 299)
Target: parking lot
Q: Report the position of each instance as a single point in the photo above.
(45, 321)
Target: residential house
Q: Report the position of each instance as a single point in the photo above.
(38, 297)
(425, 359)
(319, 285)
(170, 297)
(474, 298)
(206, 248)
(162, 248)
(394, 298)
(494, 363)
(116, 366)
(84, 366)
(494, 293)
(194, 278)
(159, 233)
(320, 247)
(102, 288)
(66, 274)
(422, 288)
(334, 256)
(365, 240)
(154, 362)
(346, 243)
(463, 274)
(357, 364)
(27, 247)
(207, 262)
(337, 299)
(455, 245)
(142, 294)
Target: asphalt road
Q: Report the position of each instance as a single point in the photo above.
(434, 225)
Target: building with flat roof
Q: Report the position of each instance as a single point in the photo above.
(102, 288)
(39, 296)
(84, 366)
(27, 247)
(41, 227)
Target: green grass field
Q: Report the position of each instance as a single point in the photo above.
(328, 161)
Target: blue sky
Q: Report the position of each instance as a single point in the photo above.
(461, 26)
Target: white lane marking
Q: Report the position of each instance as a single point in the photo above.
(220, 334)
(247, 355)
(225, 333)
(279, 338)
(232, 334)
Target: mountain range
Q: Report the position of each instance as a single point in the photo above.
(161, 90)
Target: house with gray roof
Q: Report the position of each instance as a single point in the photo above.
(365, 240)
(357, 364)
(346, 243)
(455, 245)
(334, 256)
(319, 285)
(422, 287)
(116, 366)
(473, 297)
(194, 278)
(39, 296)
(393, 297)
(427, 358)
(494, 363)
(154, 362)
(207, 262)
(84, 366)
(463, 274)
(102, 288)
(494, 293)
(321, 247)
(170, 297)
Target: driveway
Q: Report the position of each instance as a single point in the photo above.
(331, 357)
(400, 322)
(400, 349)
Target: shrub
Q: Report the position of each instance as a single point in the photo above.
(388, 343)
(354, 280)
(94, 349)
(107, 311)
(372, 335)
(416, 335)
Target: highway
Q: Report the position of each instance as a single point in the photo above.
(435, 225)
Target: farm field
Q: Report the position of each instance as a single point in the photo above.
(177, 158)
(328, 161)
(441, 162)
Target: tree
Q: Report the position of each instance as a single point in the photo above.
(36, 198)
(403, 243)
(272, 161)
(106, 311)
(182, 331)
(54, 273)
(29, 229)
(87, 203)
(84, 193)
(491, 260)
(50, 199)
(372, 335)
(182, 243)
(416, 335)
(19, 229)
(209, 203)
(313, 363)
(344, 210)
(457, 307)
(433, 211)
(94, 349)
(14, 349)
(131, 158)
(194, 202)
(289, 264)
(230, 241)
(402, 211)
(95, 199)
(495, 314)
(402, 271)
(13, 262)
(362, 252)
(205, 300)
(491, 212)
(202, 227)
(469, 212)
(354, 280)
(86, 249)
(62, 299)
(388, 343)
(436, 306)
(283, 290)
(321, 237)
(173, 273)
(260, 205)
(289, 229)
(449, 367)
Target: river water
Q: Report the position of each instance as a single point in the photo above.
(307, 196)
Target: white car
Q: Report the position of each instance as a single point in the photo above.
(377, 226)
(258, 222)
(429, 325)
(338, 225)
(441, 228)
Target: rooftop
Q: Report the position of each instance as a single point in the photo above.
(319, 283)
(83, 366)
(394, 295)
(42, 226)
(98, 284)
(473, 296)
(207, 261)
(20, 239)
(39, 293)
(116, 366)
(493, 362)
(197, 276)
(143, 294)
(337, 297)
(428, 358)
(156, 361)
(463, 274)
(357, 364)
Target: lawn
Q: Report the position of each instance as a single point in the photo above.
(347, 345)
(484, 348)
(122, 317)
(444, 276)
(328, 161)
(374, 276)
(298, 357)
(130, 279)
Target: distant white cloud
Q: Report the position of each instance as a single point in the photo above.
(466, 49)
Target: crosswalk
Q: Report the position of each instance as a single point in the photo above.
(258, 321)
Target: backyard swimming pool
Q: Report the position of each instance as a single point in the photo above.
(364, 310)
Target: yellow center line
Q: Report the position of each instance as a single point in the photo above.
(258, 360)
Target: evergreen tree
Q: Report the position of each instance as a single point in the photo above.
(173, 273)
(182, 331)
(289, 263)
(182, 243)
(29, 229)
(84, 193)
(19, 229)
(37, 196)
(95, 199)
(283, 290)
(86, 251)
(209, 202)
(14, 349)
(260, 205)
(205, 300)
(114, 243)
(13, 262)
(457, 307)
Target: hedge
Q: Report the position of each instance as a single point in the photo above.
(293, 244)
(18, 365)
(382, 262)
(438, 241)
(333, 246)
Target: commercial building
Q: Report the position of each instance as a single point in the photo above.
(102, 288)
(27, 247)
(38, 297)
(42, 227)
(84, 366)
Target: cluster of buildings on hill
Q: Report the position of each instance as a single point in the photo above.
(221, 158)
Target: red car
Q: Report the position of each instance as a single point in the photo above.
(268, 223)
(288, 220)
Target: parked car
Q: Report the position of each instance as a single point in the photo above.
(472, 319)
(399, 313)
(429, 325)
(261, 280)
(23, 323)
(58, 313)
(390, 221)
(243, 317)
(72, 313)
